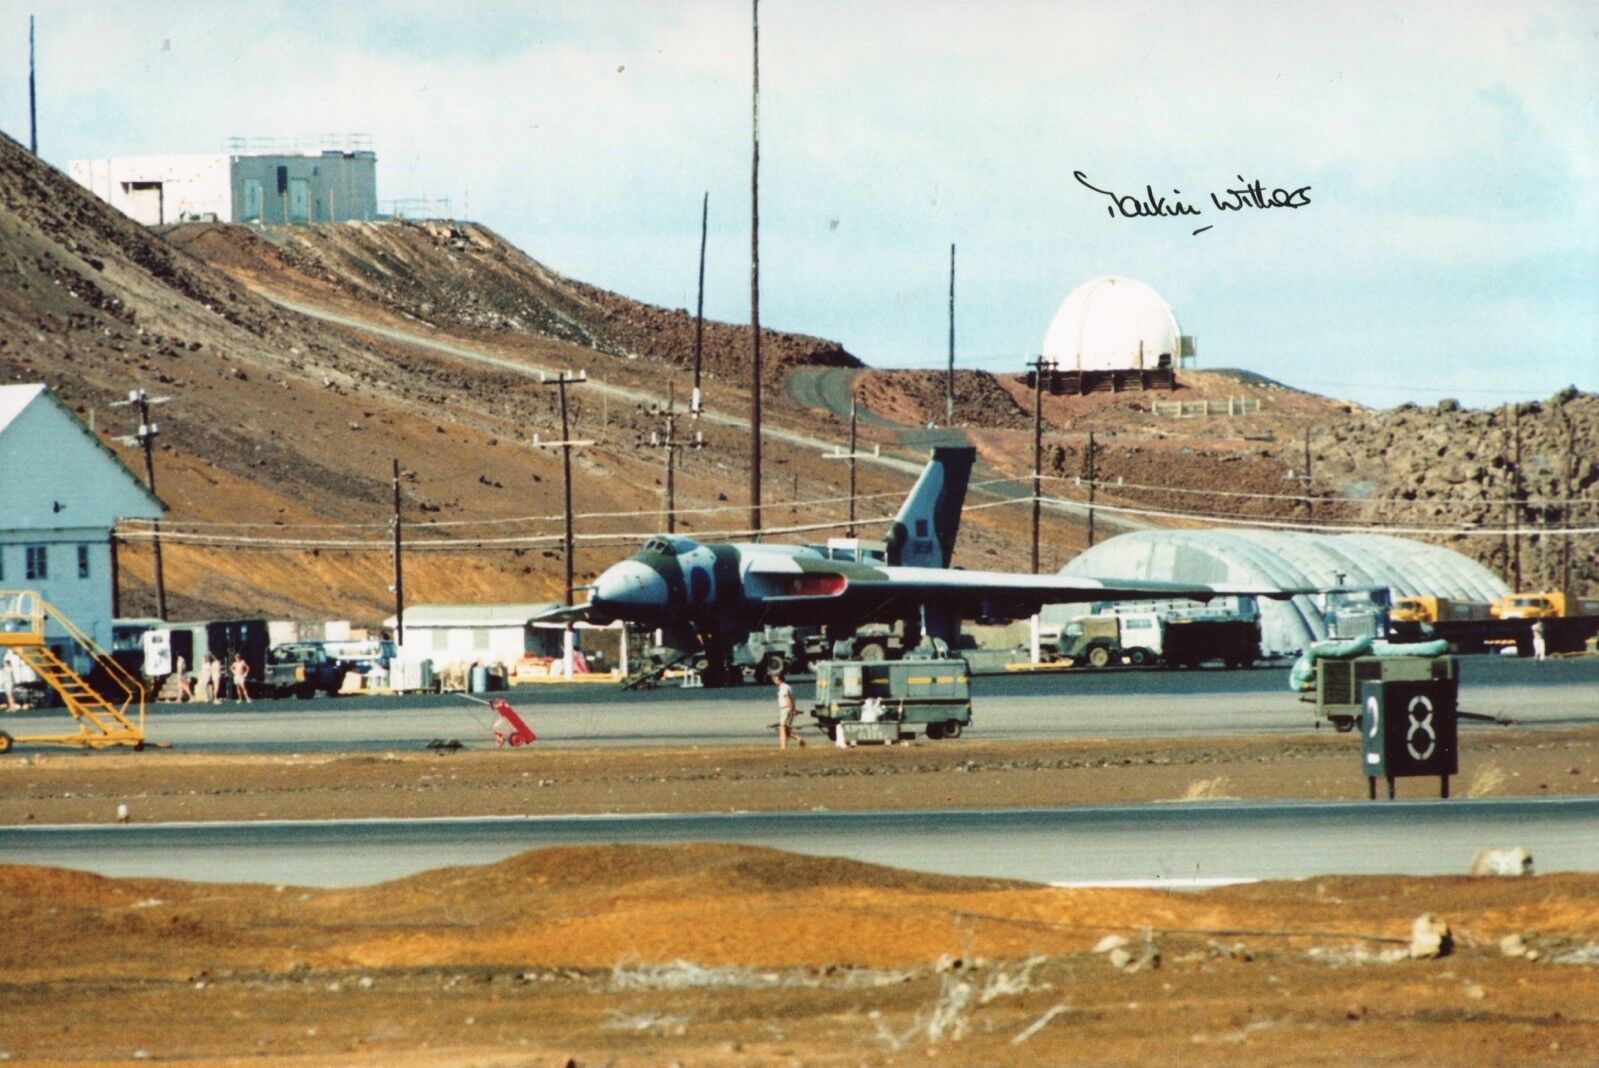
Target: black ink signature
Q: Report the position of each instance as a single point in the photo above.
(1250, 195)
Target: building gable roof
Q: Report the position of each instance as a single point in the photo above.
(59, 474)
(472, 615)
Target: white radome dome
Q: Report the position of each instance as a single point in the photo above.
(1113, 324)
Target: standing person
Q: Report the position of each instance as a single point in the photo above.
(785, 712)
(214, 678)
(203, 680)
(1539, 650)
(8, 679)
(181, 672)
(241, 672)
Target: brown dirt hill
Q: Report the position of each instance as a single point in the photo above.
(277, 420)
(466, 278)
(917, 398)
(282, 427)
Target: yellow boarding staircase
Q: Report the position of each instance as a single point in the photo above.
(102, 721)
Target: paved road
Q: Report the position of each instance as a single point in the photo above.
(1124, 703)
(619, 393)
(1176, 843)
(823, 389)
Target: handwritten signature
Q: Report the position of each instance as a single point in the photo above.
(1151, 205)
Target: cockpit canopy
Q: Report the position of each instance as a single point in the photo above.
(669, 545)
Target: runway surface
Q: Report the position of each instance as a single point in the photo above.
(1086, 704)
(1180, 844)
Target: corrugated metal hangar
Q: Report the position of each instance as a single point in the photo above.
(1287, 559)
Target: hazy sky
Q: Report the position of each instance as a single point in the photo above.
(1450, 246)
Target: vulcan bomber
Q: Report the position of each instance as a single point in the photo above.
(705, 598)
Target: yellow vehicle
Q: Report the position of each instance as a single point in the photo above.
(1544, 605)
(1418, 609)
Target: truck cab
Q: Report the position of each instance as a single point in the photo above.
(1547, 604)
(301, 669)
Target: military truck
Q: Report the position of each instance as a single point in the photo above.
(792, 650)
(301, 669)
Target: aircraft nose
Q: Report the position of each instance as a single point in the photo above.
(630, 585)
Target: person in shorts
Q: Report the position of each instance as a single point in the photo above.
(786, 711)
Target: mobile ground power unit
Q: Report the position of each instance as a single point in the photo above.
(1338, 681)
(889, 700)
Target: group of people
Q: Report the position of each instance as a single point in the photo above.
(210, 680)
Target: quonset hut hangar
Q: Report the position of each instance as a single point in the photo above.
(1285, 559)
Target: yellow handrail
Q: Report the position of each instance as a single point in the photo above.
(28, 605)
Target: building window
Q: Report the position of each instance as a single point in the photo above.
(36, 563)
(83, 561)
(2, 563)
(441, 640)
(480, 638)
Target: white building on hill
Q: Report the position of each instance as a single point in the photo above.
(61, 493)
(333, 186)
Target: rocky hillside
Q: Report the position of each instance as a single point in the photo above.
(277, 442)
(465, 278)
(1452, 467)
(276, 420)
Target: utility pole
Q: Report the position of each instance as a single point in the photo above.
(699, 306)
(755, 269)
(33, 107)
(1310, 497)
(1038, 366)
(560, 382)
(399, 571)
(1568, 469)
(145, 439)
(1092, 479)
(1516, 502)
(669, 441)
(949, 378)
(851, 456)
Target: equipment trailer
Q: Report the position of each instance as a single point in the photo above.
(886, 700)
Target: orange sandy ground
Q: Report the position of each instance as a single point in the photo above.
(553, 957)
(566, 955)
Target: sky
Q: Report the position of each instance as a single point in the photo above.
(1449, 246)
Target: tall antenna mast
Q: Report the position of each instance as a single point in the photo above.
(33, 108)
(755, 268)
(949, 379)
(699, 307)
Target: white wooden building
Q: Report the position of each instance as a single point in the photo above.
(464, 634)
(61, 493)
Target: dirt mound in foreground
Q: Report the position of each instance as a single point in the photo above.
(644, 962)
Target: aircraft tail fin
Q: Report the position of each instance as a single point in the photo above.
(923, 533)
